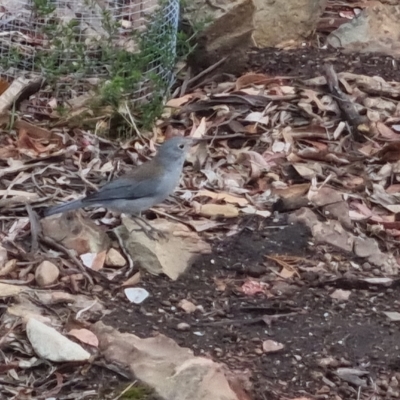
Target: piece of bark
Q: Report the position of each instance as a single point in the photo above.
(21, 88)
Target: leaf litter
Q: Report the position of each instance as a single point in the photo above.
(325, 152)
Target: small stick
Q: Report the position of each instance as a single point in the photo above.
(207, 70)
(347, 107)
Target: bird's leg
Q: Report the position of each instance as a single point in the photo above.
(151, 232)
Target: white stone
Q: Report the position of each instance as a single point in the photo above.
(136, 295)
(51, 345)
(46, 273)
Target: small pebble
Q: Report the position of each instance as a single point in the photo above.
(394, 382)
(183, 326)
(256, 271)
(46, 273)
(384, 384)
(367, 266)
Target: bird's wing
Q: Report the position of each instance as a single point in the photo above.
(141, 182)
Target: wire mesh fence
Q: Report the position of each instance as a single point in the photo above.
(118, 47)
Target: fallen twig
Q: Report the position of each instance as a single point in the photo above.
(347, 107)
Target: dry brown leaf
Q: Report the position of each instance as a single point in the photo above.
(310, 96)
(391, 152)
(302, 398)
(386, 132)
(324, 195)
(35, 132)
(251, 129)
(198, 155)
(4, 85)
(218, 211)
(253, 79)
(16, 228)
(180, 101)
(353, 182)
(203, 225)
(133, 280)
(287, 263)
(221, 196)
(292, 191)
(28, 143)
(392, 189)
(394, 208)
(369, 149)
(85, 336)
(8, 267)
(255, 160)
(257, 117)
(7, 152)
(304, 171)
(200, 130)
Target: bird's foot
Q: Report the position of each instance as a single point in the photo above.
(151, 233)
(155, 234)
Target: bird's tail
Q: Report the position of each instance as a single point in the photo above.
(61, 208)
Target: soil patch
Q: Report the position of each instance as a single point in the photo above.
(320, 334)
(308, 62)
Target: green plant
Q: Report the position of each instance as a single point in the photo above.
(68, 57)
(43, 7)
(137, 393)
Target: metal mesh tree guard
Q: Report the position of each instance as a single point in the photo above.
(120, 47)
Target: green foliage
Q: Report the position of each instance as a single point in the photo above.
(43, 7)
(68, 59)
(137, 393)
(14, 59)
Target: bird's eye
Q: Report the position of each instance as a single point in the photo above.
(181, 146)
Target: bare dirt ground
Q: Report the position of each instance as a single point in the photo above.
(308, 62)
(320, 334)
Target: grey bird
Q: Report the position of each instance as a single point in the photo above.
(147, 185)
